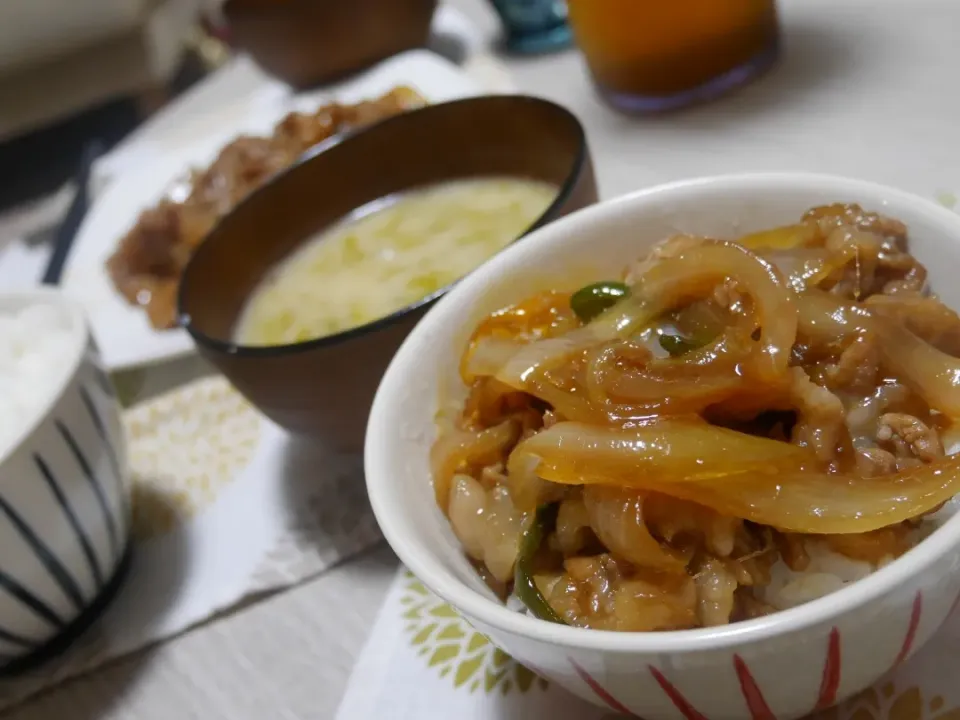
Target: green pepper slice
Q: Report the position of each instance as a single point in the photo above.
(524, 585)
(590, 301)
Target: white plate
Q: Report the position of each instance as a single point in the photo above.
(189, 135)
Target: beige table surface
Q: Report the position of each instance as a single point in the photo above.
(866, 88)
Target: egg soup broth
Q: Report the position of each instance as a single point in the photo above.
(387, 256)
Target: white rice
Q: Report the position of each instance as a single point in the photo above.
(830, 571)
(35, 349)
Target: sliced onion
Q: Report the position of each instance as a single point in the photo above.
(466, 507)
(764, 481)
(673, 519)
(698, 270)
(703, 321)
(486, 356)
(684, 385)
(803, 267)
(456, 449)
(787, 237)
(506, 332)
(678, 395)
(824, 318)
(822, 503)
(933, 375)
(624, 318)
(668, 283)
(487, 524)
(923, 315)
(528, 490)
(578, 407)
(666, 451)
(616, 517)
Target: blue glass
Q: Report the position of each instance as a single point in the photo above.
(534, 26)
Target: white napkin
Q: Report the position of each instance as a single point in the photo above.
(424, 662)
(226, 506)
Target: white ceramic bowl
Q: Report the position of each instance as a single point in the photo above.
(782, 666)
(64, 502)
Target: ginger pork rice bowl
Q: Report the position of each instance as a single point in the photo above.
(691, 448)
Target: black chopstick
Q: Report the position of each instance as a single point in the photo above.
(70, 225)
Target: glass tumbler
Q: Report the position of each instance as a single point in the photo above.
(653, 55)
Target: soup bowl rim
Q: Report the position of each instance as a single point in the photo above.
(334, 144)
(424, 562)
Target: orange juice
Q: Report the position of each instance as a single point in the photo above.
(653, 54)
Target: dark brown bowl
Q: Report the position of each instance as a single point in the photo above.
(306, 42)
(323, 388)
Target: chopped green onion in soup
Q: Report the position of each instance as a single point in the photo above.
(389, 255)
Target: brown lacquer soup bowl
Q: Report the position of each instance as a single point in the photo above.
(323, 388)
